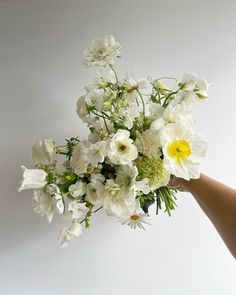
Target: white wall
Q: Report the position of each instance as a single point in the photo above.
(41, 44)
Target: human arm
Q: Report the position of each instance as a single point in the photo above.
(218, 201)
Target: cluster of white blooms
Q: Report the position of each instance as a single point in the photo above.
(141, 132)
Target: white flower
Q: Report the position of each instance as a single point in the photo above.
(70, 233)
(33, 178)
(129, 114)
(131, 85)
(77, 209)
(42, 204)
(79, 161)
(95, 96)
(96, 153)
(120, 148)
(136, 220)
(101, 52)
(78, 189)
(95, 192)
(143, 185)
(191, 82)
(148, 143)
(118, 199)
(174, 113)
(54, 191)
(43, 152)
(183, 151)
(82, 108)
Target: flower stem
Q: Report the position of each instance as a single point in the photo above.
(114, 71)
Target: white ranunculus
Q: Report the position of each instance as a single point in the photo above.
(42, 203)
(44, 152)
(78, 189)
(70, 233)
(33, 178)
(183, 151)
(101, 52)
(77, 209)
(120, 148)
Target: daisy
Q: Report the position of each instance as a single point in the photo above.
(136, 220)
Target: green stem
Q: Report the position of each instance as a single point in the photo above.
(93, 212)
(115, 73)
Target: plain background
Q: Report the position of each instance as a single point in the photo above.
(41, 77)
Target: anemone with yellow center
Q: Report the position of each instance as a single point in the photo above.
(153, 169)
(183, 150)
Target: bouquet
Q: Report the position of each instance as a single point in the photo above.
(141, 133)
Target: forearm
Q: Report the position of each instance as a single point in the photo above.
(219, 203)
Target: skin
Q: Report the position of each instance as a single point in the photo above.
(217, 200)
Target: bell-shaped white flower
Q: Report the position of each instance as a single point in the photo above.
(43, 152)
(77, 190)
(33, 178)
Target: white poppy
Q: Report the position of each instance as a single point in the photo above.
(183, 151)
(33, 178)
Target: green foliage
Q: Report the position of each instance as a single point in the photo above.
(70, 144)
(146, 201)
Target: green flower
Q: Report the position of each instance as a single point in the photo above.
(153, 169)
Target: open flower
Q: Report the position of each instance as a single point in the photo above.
(102, 52)
(183, 151)
(121, 149)
(78, 189)
(135, 220)
(33, 178)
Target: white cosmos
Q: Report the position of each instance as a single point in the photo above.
(33, 178)
(120, 148)
(183, 151)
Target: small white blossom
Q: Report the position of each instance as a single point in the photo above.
(33, 178)
(54, 191)
(77, 209)
(101, 52)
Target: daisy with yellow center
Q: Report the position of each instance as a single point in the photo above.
(135, 220)
(183, 151)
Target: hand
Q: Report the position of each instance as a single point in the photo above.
(178, 183)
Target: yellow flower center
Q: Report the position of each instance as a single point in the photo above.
(135, 217)
(179, 149)
(132, 89)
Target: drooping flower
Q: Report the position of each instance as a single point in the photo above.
(54, 191)
(70, 233)
(33, 178)
(120, 148)
(183, 151)
(154, 171)
(79, 161)
(77, 209)
(192, 83)
(42, 203)
(43, 152)
(102, 52)
(135, 220)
